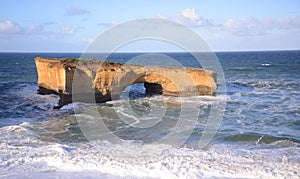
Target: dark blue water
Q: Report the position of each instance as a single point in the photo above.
(262, 111)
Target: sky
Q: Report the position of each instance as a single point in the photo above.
(71, 25)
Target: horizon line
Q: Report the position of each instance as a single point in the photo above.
(268, 50)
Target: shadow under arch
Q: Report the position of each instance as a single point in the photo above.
(154, 83)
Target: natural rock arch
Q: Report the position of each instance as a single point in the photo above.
(78, 79)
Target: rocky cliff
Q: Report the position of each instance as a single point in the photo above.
(91, 80)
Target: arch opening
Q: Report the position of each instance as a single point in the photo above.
(140, 90)
(153, 89)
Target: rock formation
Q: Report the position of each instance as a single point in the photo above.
(90, 80)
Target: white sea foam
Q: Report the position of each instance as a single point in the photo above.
(133, 160)
(266, 64)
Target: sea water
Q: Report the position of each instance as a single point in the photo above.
(258, 137)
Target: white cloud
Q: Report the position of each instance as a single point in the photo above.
(255, 27)
(191, 18)
(190, 14)
(67, 30)
(291, 22)
(240, 27)
(244, 27)
(73, 11)
(35, 28)
(9, 27)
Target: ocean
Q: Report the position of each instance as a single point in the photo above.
(258, 136)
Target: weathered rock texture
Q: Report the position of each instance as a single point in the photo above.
(91, 80)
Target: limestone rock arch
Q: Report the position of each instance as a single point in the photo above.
(107, 80)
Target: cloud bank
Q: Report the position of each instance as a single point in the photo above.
(190, 18)
(10, 29)
(256, 27)
(239, 27)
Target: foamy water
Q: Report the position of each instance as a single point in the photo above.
(29, 156)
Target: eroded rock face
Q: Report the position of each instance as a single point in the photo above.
(90, 80)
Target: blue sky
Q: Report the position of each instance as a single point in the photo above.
(69, 26)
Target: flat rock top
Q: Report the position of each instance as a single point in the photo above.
(73, 62)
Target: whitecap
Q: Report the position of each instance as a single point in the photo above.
(266, 64)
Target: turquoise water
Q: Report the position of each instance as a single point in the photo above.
(259, 135)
